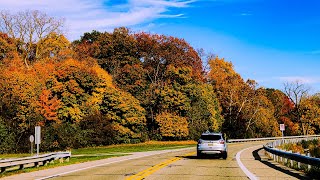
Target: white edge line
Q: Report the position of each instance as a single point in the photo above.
(243, 168)
(56, 175)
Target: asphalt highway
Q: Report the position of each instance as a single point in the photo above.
(174, 165)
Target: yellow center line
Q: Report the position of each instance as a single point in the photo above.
(156, 167)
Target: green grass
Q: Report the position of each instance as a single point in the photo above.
(97, 153)
(128, 148)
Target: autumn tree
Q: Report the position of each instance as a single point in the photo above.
(7, 47)
(112, 50)
(259, 113)
(296, 91)
(205, 111)
(228, 84)
(283, 107)
(170, 64)
(310, 114)
(59, 96)
(126, 116)
(28, 27)
(172, 126)
(243, 105)
(158, 52)
(53, 45)
(156, 69)
(18, 103)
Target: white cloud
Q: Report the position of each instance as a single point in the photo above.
(86, 15)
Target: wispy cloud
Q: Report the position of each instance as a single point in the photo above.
(86, 15)
(306, 80)
(245, 14)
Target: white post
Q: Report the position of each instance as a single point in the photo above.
(299, 164)
(37, 149)
(309, 166)
(31, 149)
(37, 130)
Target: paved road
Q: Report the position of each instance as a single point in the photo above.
(182, 164)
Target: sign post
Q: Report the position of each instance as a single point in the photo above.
(31, 138)
(37, 131)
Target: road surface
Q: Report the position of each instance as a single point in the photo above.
(174, 164)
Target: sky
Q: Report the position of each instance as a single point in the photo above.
(270, 41)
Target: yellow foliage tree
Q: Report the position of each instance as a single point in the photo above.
(172, 126)
(52, 45)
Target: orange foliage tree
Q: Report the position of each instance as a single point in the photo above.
(163, 72)
(244, 107)
(283, 107)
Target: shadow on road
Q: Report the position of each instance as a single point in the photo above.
(276, 166)
(202, 157)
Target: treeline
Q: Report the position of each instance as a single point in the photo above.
(124, 87)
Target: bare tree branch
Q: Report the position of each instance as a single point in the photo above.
(296, 91)
(29, 27)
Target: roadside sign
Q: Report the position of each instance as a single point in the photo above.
(31, 138)
(37, 131)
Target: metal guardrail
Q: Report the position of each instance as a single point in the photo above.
(286, 157)
(33, 161)
(293, 156)
(271, 138)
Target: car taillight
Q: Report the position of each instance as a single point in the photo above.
(221, 142)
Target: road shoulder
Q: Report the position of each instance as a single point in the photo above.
(255, 160)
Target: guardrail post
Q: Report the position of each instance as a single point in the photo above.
(45, 163)
(299, 164)
(309, 166)
(36, 164)
(285, 159)
(21, 166)
(51, 161)
(3, 169)
(291, 161)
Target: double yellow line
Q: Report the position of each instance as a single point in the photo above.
(155, 168)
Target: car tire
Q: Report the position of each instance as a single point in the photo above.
(224, 155)
(199, 154)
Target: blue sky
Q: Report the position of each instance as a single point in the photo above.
(270, 41)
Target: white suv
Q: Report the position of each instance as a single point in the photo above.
(212, 143)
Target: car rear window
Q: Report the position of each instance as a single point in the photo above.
(210, 137)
